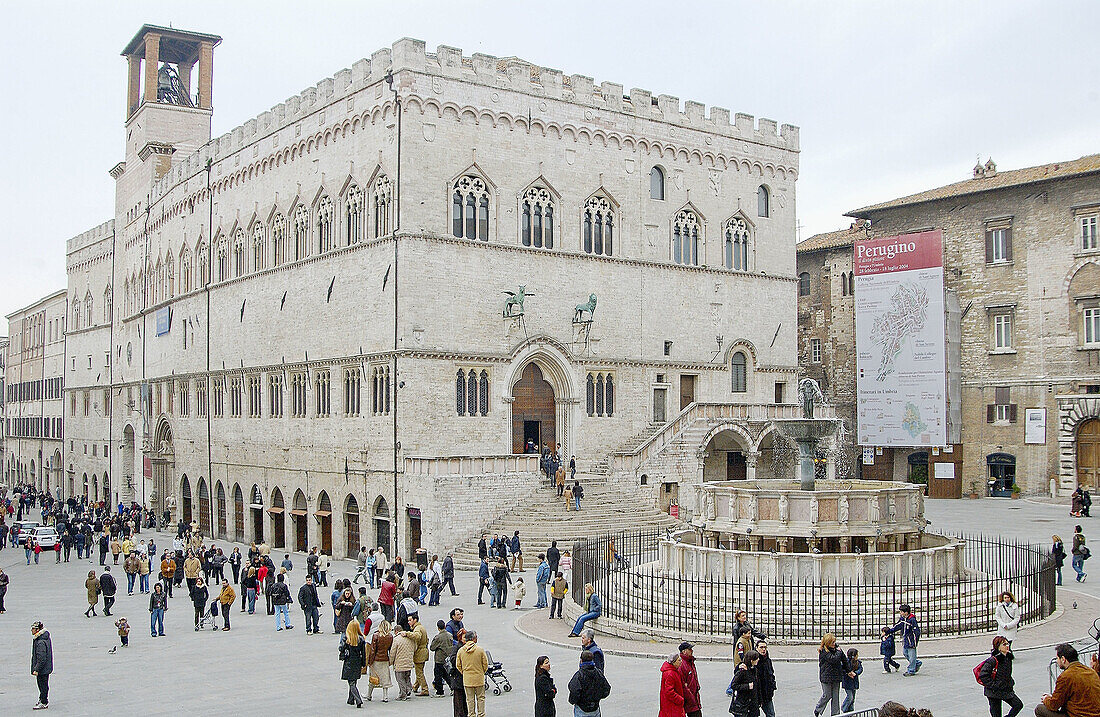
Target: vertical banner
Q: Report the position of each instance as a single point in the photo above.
(901, 375)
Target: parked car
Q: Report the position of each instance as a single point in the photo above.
(22, 529)
(46, 536)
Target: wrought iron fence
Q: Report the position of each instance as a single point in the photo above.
(635, 590)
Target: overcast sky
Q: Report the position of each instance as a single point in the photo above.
(891, 97)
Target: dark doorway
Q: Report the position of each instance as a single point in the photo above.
(414, 536)
(1002, 474)
(258, 524)
(533, 404)
(736, 468)
(687, 391)
(301, 540)
(531, 435)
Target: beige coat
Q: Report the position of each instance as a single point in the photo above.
(401, 655)
(473, 664)
(420, 637)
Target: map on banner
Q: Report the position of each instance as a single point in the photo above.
(900, 341)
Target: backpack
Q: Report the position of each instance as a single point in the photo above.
(978, 670)
(1085, 552)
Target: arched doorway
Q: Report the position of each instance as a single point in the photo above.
(298, 518)
(185, 500)
(238, 513)
(1088, 453)
(534, 414)
(351, 527)
(381, 523)
(204, 508)
(1002, 474)
(55, 469)
(278, 522)
(324, 522)
(725, 456)
(219, 497)
(95, 488)
(128, 462)
(162, 461)
(257, 508)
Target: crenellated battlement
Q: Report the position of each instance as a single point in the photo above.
(508, 73)
(90, 237)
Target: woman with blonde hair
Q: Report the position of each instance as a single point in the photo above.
(378, 660)
(832, 666)
(353, 654)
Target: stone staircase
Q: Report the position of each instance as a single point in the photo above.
(543, 518)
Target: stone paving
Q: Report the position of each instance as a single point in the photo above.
(256, 668)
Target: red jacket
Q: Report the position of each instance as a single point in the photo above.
(672, 692)
(387, 592)
(691, 684)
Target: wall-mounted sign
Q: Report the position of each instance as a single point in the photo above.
(164, 320)
(414, 512)
(944, 471)
(868, 456)
(1035, 425)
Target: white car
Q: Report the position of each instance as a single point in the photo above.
(45, 536)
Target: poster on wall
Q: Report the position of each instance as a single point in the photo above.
(868, 456)
(901, 374)
(1035, 426)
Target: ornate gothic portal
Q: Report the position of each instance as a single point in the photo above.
(533, 411)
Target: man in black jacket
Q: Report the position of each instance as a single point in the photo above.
(41, 662)
(309, 602)
(553, 556)
(588, 687)
(765, 674)
(449, 573)
(280, 598)
(108, 587)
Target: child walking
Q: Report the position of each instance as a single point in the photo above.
(519, 590)
(887, 649)
(850, 681)
(123, 631)
(557, 594)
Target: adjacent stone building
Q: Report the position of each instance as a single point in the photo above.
(33, 386)
(300, 329)
(1022, 255)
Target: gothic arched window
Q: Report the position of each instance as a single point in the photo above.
(460, 392)
(685, 237)
(301, 232)
(240, 256)
(483, 393)
(804, 284)
(380, 205)
(470, 208)
(598, 226)
(353, 214)
(279, 240)
(324, 225)
(735, 246)
(223, 259)
(259, 247)
(763, 202)
(108, 305)
(600, 394)
(185, 270)
(537, 217)
(656, 183)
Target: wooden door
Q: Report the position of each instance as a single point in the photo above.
(278, 530)
(687, 391)
(534, 401)
(326, 534)
(659, 400)
(1088, 454)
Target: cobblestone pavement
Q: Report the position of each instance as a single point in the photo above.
(254, 667)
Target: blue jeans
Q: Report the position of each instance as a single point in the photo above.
(911, 655)
(284, 612)
(156, 622)
(541, 602)
(28, 552)
(423, 593)
(577, 503)
(582, 620)
(144, 582)
(250, 593)
(493, 593)
(370, 577)
(578, 712)
(130, 578)
(313, 618)
(849, 700)
(768, 709)
(1078, 564)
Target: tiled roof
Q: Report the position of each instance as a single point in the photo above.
(832, 240)
(999, 180)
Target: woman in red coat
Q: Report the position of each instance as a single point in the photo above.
(672, 688)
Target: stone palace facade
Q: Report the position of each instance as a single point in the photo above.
(267, 308)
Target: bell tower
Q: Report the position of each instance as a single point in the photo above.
(168, 108)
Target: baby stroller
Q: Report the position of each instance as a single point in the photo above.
(495, 675)
(208, 617)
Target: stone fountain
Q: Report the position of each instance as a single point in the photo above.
(807, 432)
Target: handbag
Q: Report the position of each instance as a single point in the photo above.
(374, 680)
